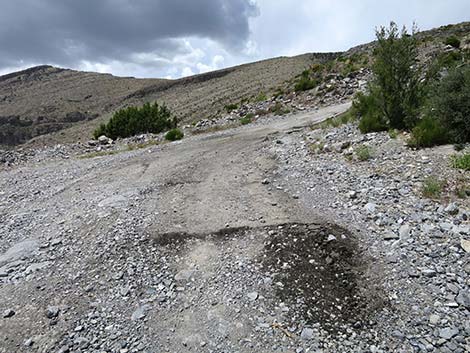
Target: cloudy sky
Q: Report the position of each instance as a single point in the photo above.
(175, 38)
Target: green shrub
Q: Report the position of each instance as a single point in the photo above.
(449, 104)
(371, 123)
(245, 120)
(444, 62)
(395, 92)
(461, 161)
(393, 133)
(432, 187)
(174, 134)
(367, 107)
(363, 153)
(305, 83)
(133, 120)
(453, 41)
(329, 65)
(261, 97)
(276, 109)
(317, 67)
(231, 107)
(429, 132)
(341, 119)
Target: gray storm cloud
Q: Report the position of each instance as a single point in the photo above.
(174, 38)
(67, 32)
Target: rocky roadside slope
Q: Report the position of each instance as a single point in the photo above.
(423, 245)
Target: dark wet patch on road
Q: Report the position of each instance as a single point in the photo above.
(320, 272)
(317, 270)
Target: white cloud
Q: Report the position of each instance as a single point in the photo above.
(191, 61)
(284, 28)
(187, 72)
(251, 48)
(216, 63)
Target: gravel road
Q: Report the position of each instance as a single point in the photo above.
(182, 247)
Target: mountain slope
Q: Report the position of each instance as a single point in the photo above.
(45, 99)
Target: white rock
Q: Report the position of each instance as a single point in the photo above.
(404, 232)
(331, 237)
(452, 209)
(184, 275)
(104, 140)
(140, 313)
(434, 319)
(307, 334)
(465, 244)
(370, 207)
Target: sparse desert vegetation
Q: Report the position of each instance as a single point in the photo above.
(363, 153)
(174, 135)
(231, 107)
(247, 119)
(433, 187)
(453, 41)
(435, 109)
(461, 161)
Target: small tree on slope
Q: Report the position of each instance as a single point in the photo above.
(395, 91)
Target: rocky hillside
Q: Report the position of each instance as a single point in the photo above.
(45, 99)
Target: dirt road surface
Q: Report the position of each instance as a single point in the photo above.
(181, 247)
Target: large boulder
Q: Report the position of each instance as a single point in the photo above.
(104, 140)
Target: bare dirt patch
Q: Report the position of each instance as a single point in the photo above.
(320, 270)
(317, 270)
